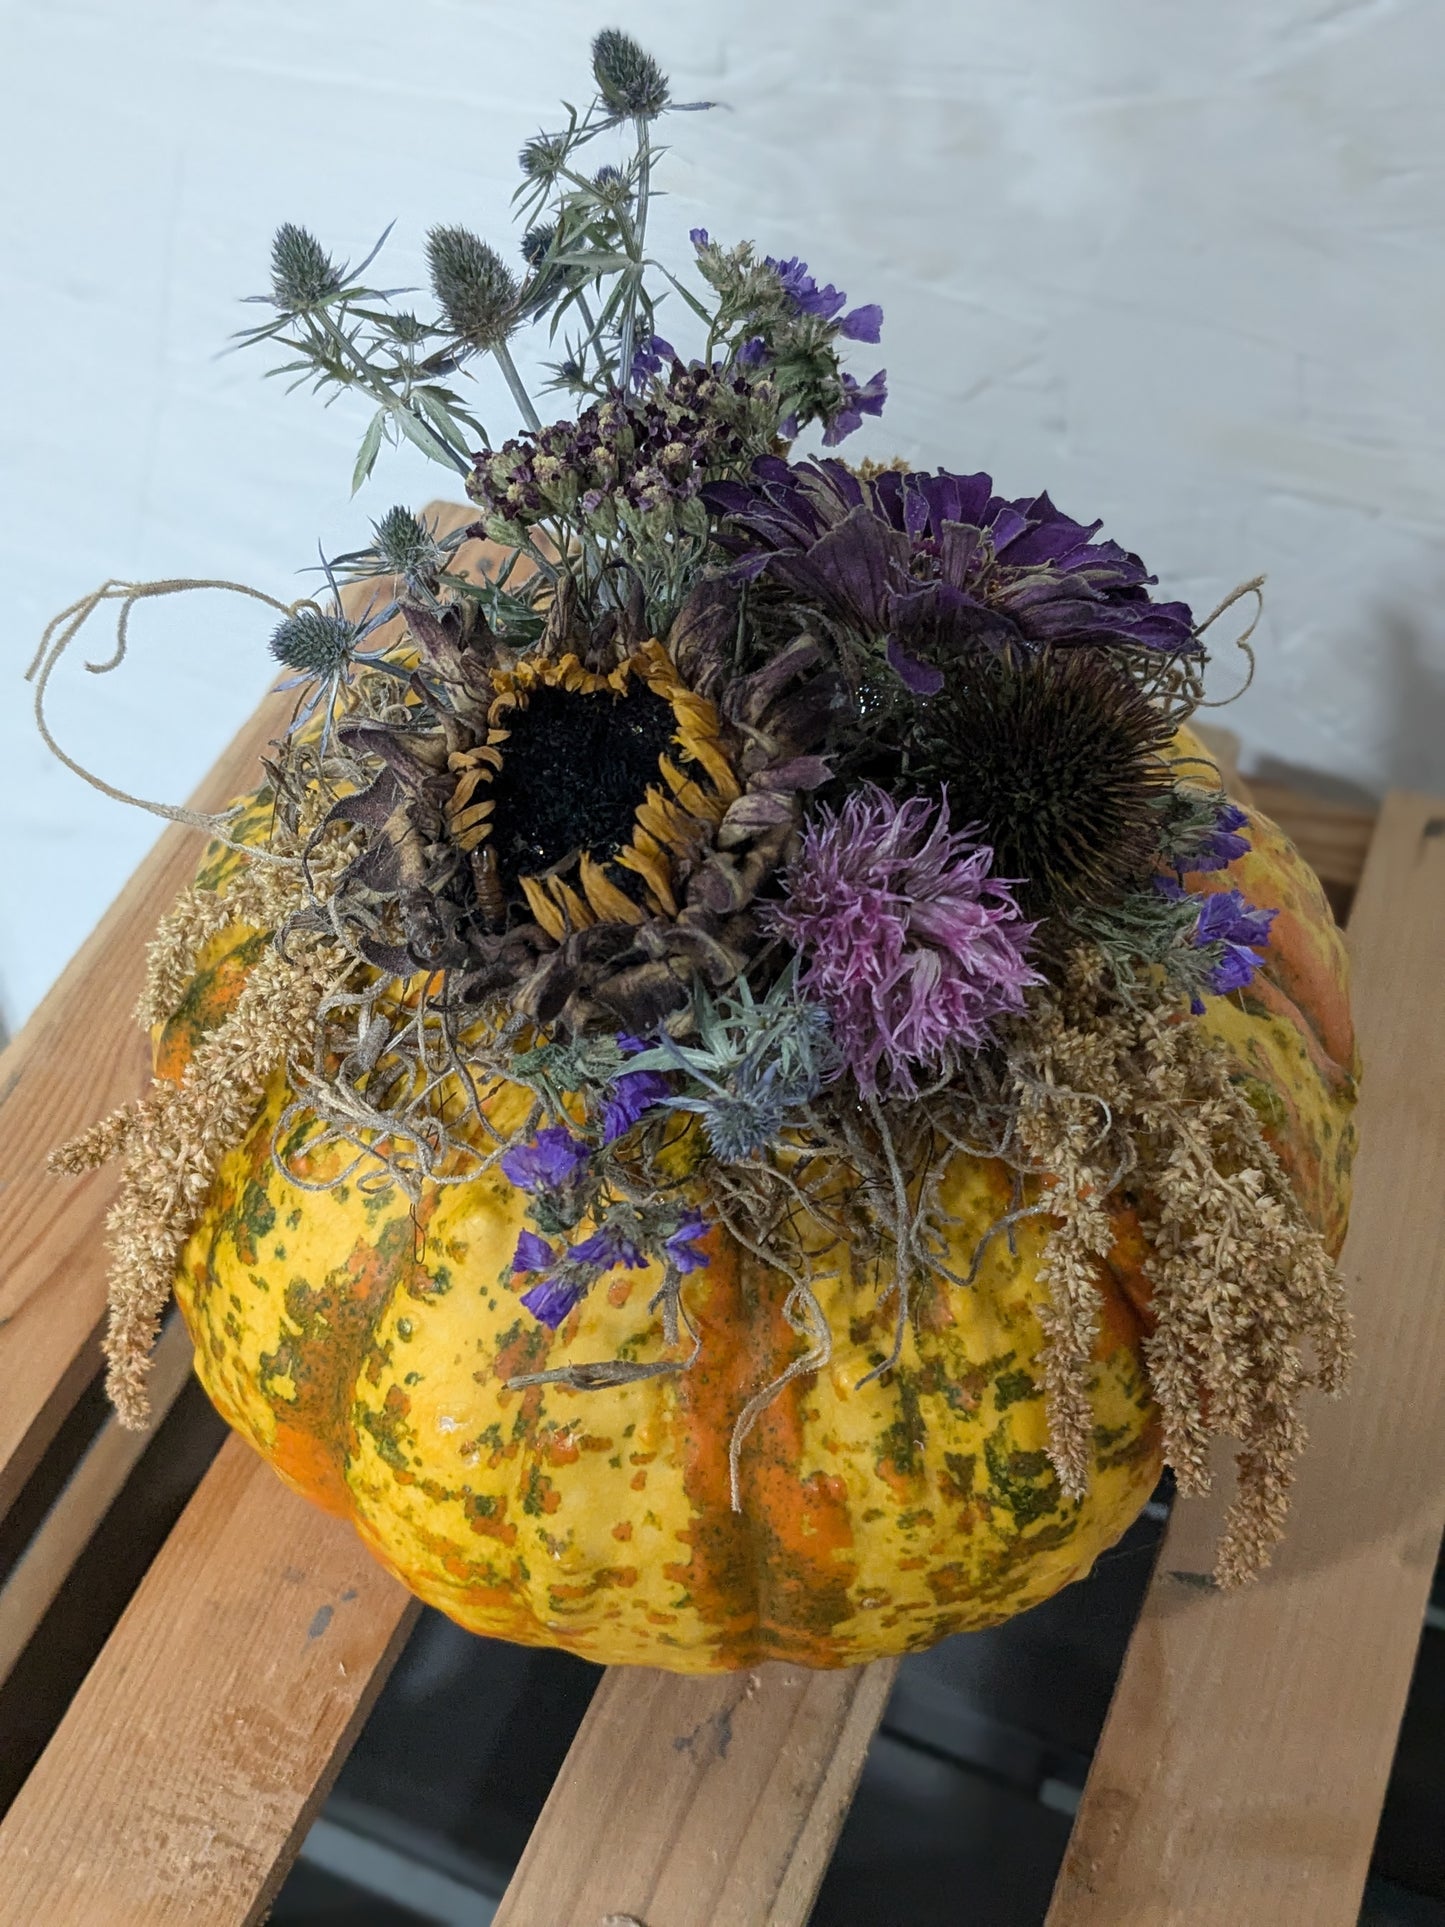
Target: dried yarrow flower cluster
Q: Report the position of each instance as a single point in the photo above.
(778, 827)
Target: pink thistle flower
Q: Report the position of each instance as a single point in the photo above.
(906, 939)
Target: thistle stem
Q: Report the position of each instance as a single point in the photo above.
(514, 382)
(627, 325)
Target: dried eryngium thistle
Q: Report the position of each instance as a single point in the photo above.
(476, 290)
(629, 80)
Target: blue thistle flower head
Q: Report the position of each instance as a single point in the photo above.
(314, 643)
(475, 289)
(405, 546)
(537, 243)
(543, 157)
(629, 80)
(303, 274)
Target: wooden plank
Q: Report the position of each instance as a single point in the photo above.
(1244, 1762)
(1333, 838)
(700, 1802)
(181, 1781)
(80, 1056)
(83, 1501)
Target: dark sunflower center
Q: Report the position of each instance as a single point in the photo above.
(574, 769)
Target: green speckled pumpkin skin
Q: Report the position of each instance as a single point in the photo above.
(365, 1353)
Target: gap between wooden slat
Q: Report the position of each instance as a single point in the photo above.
(87, 1495)
(711, 1802)
(1242, 1769)
(180, 1783)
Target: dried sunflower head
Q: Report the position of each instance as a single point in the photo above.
(583, 828)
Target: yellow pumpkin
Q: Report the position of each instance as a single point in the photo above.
(365, 1350)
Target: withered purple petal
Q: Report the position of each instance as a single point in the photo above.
(552, 1301)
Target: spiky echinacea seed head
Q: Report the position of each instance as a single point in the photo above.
(315, 644)
(303, 275)
(1057, 755)
(629, 80)
(476, 290)
(404, 545)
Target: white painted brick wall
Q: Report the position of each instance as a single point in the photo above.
(1180, 264)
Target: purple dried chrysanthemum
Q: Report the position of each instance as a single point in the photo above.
(907, 939)
(939, 560)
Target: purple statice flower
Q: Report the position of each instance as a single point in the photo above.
(553, 1158)
(753, 352)
(649, 357)
(939, 562)
(553, 1300)
(1231, 928)
(859, 324)
(566, 1280)
(682, 1246)
(1223, 844)
(863, 324)
(533, 1253)
(859, 399)
(802, 290)
(606, 1247)
(907, 940)
(1241, 930)
(633, 1094)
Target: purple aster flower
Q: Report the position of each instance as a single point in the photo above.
(553, 1158)
(634, 1094)
(908, 941)
(533, 1253)
(682, 1246)
(607, 1247)
(1241, 929)
(858, 400)
(939, 559)
(551, 1301)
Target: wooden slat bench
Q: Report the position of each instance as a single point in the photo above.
(1241, 1772)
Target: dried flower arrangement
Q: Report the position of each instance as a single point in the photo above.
(751, 840)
